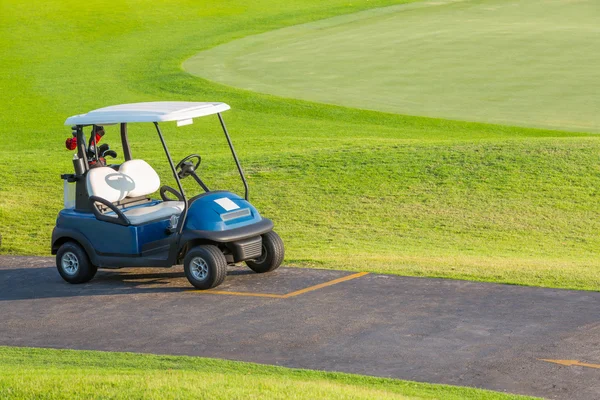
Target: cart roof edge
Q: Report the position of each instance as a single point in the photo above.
(158, 111)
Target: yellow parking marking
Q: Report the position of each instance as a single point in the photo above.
(274, 296)
(571, 363)
(322, 285)
(287, 295)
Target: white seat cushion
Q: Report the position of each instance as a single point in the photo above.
(142, 214)
(108, 184)
(145, 178)
(135, 178)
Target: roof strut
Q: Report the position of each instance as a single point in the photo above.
(185, 210)
(237, 162)
(125, 142)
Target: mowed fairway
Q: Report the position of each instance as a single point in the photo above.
(517, 62)
(347, 189)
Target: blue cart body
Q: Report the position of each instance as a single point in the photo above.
(207, 220)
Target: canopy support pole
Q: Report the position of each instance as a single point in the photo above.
(185, 202)
(235, 157)
(125, 142)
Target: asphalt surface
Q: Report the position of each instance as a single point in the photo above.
(431, 330)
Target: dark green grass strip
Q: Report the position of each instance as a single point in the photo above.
(66, 374)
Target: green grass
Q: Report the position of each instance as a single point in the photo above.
(347, 188)
(517, 62)
(27, 373)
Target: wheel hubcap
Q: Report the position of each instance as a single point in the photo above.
(70, 263)
(199, 268)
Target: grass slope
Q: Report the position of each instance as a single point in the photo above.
(66, 374)
(517, 62)
(347, 188)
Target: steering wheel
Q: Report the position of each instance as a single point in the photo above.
(185, 167)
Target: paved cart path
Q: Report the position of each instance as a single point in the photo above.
(432, 330)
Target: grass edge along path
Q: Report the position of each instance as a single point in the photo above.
(65, 374)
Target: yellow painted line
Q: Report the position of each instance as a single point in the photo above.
(270, 295)
(571, 363)
(322, 285)
(283, 296)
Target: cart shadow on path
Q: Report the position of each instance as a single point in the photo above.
(45, 282)
(40, 280)
(29, 278)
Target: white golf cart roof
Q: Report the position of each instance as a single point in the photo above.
(158, 111)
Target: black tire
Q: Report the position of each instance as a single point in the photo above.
(73, 263)
(205, 266)
(272, 254)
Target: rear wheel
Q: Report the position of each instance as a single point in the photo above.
(272, 254)
(73, 263)
(205, 266)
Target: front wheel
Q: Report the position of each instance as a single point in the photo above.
(205, 267)
(272, 254)
(73, 263)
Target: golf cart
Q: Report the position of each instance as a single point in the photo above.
(110, 220)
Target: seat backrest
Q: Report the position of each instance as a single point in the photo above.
(108, 184)
(144, 177)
